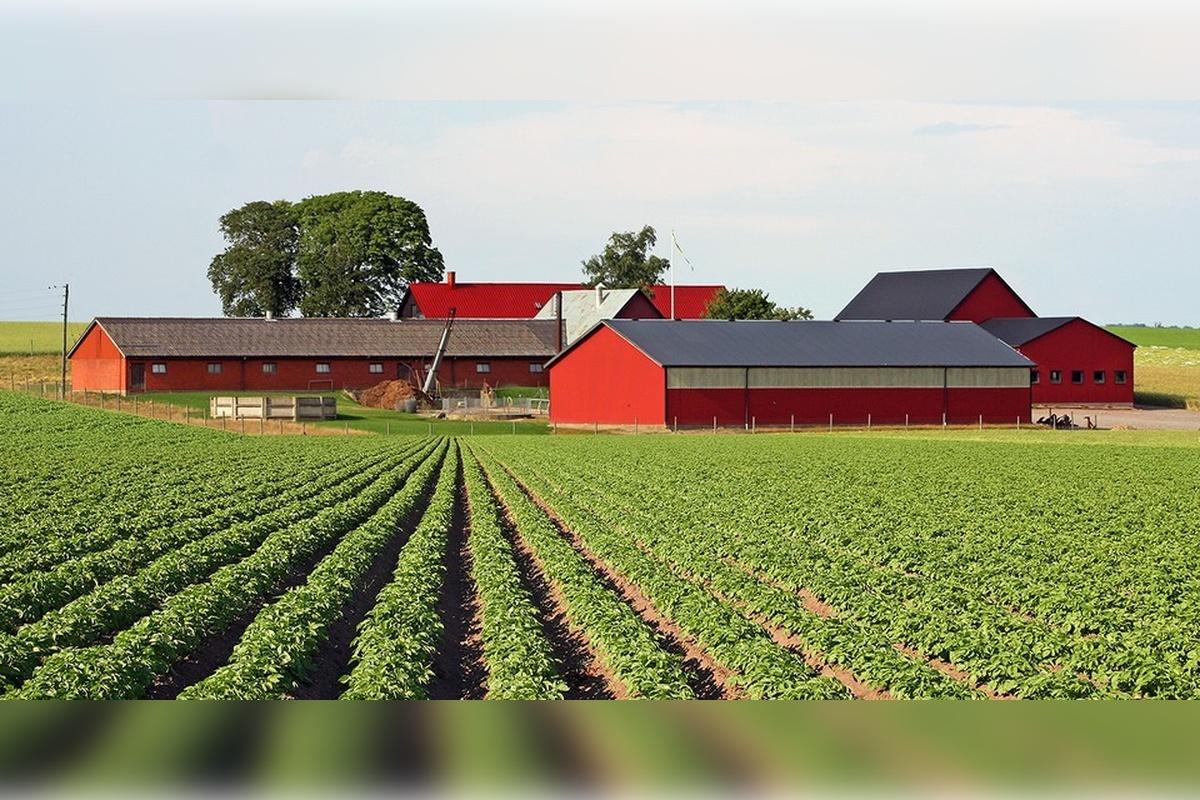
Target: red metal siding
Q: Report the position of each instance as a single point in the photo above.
(697, 407)
(991, 298)
(1080, 345)
(606, 380)
(639, 307)
(691, 301)
(97, 365)
(295, 374)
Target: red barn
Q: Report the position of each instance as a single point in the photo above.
(701, 373)
(137, 354)
(1077, 362)
(973, 295)
(526, 300)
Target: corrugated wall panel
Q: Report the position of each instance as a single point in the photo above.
(845, 377)
(987, 378)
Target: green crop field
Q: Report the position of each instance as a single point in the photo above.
(1148, 336)
(33, 338)
(141, 558)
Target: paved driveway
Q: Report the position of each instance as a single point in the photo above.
(1161, 419)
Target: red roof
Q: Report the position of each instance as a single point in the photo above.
(690, 301)
(485, 300)
(524, 300)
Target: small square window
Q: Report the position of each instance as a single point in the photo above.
(1056, 376)
(535, 367)
(483, 367)
(1034, 376)
(1098, 376)
(158, 369)
(269, 368)
(1119, 376)
(214, 368)
(375, 368)
(323, 368)
(1076, 376)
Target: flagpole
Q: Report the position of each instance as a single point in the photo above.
(672, 273)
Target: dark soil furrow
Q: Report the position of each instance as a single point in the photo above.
(459, 671)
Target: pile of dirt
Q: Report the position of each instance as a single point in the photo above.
(388, 395)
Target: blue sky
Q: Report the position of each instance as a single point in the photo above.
(794, 150)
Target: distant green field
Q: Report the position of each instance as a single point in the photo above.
(25, 338)
(1186, 338)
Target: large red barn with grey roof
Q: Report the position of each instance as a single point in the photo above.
(748, 373)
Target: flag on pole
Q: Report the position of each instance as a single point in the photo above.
(680, 251)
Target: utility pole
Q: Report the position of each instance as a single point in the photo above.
(66, 300)
(66, 287)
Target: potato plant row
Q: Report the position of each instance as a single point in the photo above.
(27, 599)
(520, 665)
(957, 552)
(221, 502)
(139, 654)
(275, 653)
(394, 651)
(760, 667)
(624, 642)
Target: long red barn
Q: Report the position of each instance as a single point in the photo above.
(137, 354)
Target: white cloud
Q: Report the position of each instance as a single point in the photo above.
(585, 156)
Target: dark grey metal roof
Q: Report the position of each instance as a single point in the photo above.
(915, 295)
(1019, 330)
(169, 337)
(752, 343)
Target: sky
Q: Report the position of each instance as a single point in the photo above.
(797, 148)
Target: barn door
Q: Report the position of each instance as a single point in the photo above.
(137, 377)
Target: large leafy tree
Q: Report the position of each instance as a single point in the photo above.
(750, 304)
(349, 254)
(255, 274)
(359, 251)
(626, 262)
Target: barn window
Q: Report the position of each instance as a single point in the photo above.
(1034, 376)
(375, 368)
(214, 368)
(323, 367)
(269, 368)
(158, 369)
(1098, 376)
(1076, 376)
(1056, 376)
(1119, 376)
(483, 366)
(535, 367)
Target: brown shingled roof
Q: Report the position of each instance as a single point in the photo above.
(168, 337)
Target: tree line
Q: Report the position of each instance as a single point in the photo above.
(353, 254)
